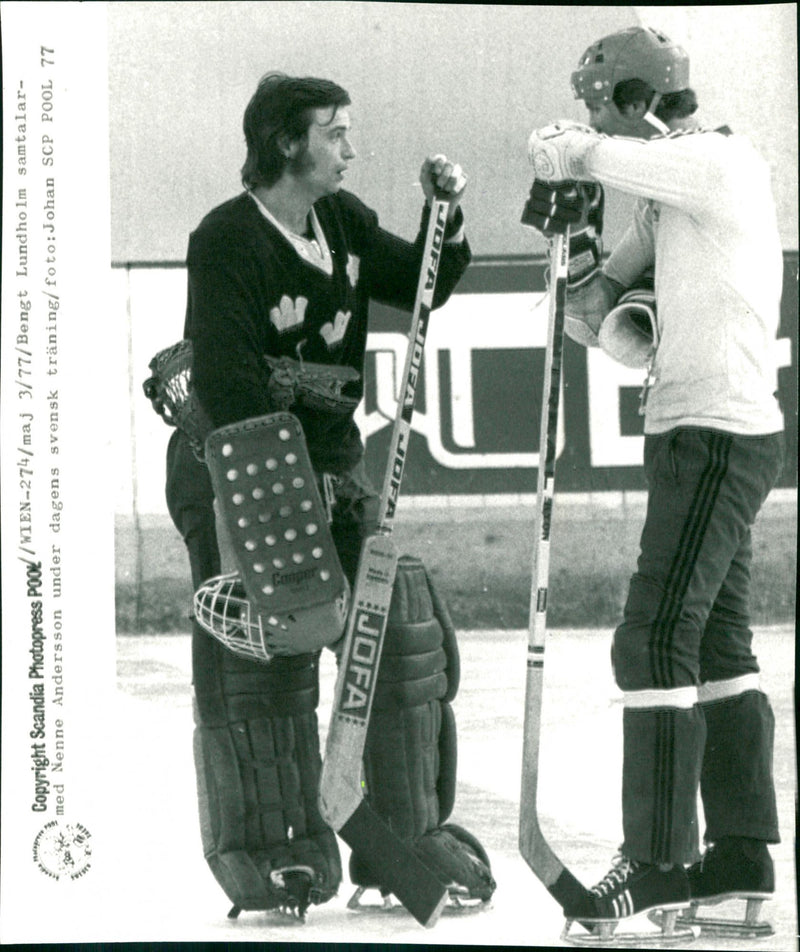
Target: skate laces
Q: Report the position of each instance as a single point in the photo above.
(621, 869)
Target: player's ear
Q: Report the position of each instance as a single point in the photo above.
(288, 147)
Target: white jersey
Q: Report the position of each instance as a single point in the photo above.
(706, 219)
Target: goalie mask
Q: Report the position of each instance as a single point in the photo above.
(635, 53)
(222, 608)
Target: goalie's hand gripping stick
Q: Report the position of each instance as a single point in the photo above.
(533, 846)
(390, 861)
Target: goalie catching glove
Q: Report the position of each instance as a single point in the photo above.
(169, 389)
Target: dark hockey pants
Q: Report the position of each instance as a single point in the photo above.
(686, 637)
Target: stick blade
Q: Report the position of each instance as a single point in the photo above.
(394, 865)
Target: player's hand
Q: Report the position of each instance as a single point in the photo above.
(558, 152)
(439, 174)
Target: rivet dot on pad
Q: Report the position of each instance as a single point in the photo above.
(317, 552)
(291, 459)
(272, 464)
(305, 505)
(232, 474)
(237, 499)
(297, 558)
(258, 493)
(227, 449)
(277, 489)
(311, 528)
(284, 435)
(324, 575)
(252, 469)
(290, 535)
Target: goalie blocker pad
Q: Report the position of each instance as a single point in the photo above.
(287, 563)
(410, 753)
(258, 763)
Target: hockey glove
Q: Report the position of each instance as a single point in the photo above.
(629, 334)
(553, 207)
(559, 152)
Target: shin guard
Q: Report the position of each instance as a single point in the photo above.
(411, 748)
(257, 758)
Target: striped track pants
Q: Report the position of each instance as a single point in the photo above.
(693, 711)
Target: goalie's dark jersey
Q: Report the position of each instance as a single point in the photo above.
(255, 290)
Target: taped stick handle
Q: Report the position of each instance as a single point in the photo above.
(401, 432)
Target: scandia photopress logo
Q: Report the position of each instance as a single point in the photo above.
(63, 850)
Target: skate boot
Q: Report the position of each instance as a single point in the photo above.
(734, 868)
(631, 888)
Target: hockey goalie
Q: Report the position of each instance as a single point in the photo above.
(280, 279)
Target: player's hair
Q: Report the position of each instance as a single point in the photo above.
(676, 105)
(282, 106)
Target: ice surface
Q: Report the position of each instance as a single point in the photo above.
(154, 884)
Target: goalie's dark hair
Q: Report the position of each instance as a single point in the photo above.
(281, 107)
(677, 105)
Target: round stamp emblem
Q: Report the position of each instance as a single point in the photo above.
(63, 850)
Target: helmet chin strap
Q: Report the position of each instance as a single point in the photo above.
(652, 119)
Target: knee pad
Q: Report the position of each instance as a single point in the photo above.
(257, 758)
(410, 753)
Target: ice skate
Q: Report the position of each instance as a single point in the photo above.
(629, 889)
(734, 869)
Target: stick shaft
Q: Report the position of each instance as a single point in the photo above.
(533, 846)
(401, 432)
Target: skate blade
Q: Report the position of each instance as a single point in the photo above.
(370, 901)
(751, 927)
(286, 916)
(460, 903)
(602, 932)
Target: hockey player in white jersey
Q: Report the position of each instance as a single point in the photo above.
(704, 231)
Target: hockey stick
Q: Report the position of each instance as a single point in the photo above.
(392, 863)
(533, 846)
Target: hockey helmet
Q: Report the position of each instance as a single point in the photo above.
(636, 53)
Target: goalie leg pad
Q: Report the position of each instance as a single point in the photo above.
(410, 754)
(258, 763)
